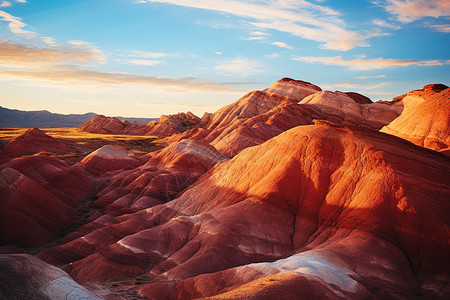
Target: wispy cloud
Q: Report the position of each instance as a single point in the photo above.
(22, 56)
(298, 17)
(369, 64)
(369, 77)
(16, 25)
(240, 66)
(145, 62)
(144, 54)
(5, 4)
(411, 10)
(71, 75)
(385, 24)
(445, 28)
(281, 44)
(272, 55)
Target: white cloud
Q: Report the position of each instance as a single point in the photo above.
(16, 25)
(373, 76)
(407, 11)
(48, 40)
(258, 33)
(272, 55)
(71, 76)
(145, 62)
(281, 44)
(240, 66)
(383, 23)
(22, 1)
(144, 54)
(369, 64)
(445, 28)
(5, 4)
(297, 17)
(75, 52)
(218, 52)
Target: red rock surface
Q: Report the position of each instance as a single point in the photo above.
(109, 158)
(34, 141)
(262, 200)
(358, 98)
(24, 276)
(425, 120)
(333, 209)
(171, 124)
(165, 126)
(38, 196)
(111, 125)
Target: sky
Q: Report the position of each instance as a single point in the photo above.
(145, 58)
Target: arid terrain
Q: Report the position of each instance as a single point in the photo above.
(291, 192)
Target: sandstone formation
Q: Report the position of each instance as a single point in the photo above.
(170, 124)
(331, 211)
(425, 120)
(290, 192)
(165, 126)
(24, 276)
(34, 141)
(109, 158)
(111, 125)
(38, 196)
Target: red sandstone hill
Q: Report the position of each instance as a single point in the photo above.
(322, 209)
(425, 120)
(34, 141)
(290, 192)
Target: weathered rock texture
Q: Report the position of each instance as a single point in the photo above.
(109, 158)
(34, 141)
(24, 276)
(38, 196)
(290, 192)
(324, 209)
(425, 120)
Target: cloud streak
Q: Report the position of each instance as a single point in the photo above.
(70, 75)
(369, 64)
(75, 52)
(411, 10)
(297, 17)
(145, 62)
(240, 66)
(445, 28)
(15, 24)
(281, 45)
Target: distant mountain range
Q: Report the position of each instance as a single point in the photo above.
(44, 119)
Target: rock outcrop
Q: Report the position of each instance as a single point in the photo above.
(425, 120)
(34, 141)
(289, 192)
(171, 124)
(324, 207)
(24, 276)
(111, 125)
(109, 158)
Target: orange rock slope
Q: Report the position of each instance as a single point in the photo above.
(288, 193)
(327, 207)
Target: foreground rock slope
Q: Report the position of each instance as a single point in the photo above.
(290, 192)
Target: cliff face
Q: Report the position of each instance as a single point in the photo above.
(290, 191)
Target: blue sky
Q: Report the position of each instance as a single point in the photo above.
(147, 58)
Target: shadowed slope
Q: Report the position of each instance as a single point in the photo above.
(348, 198)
